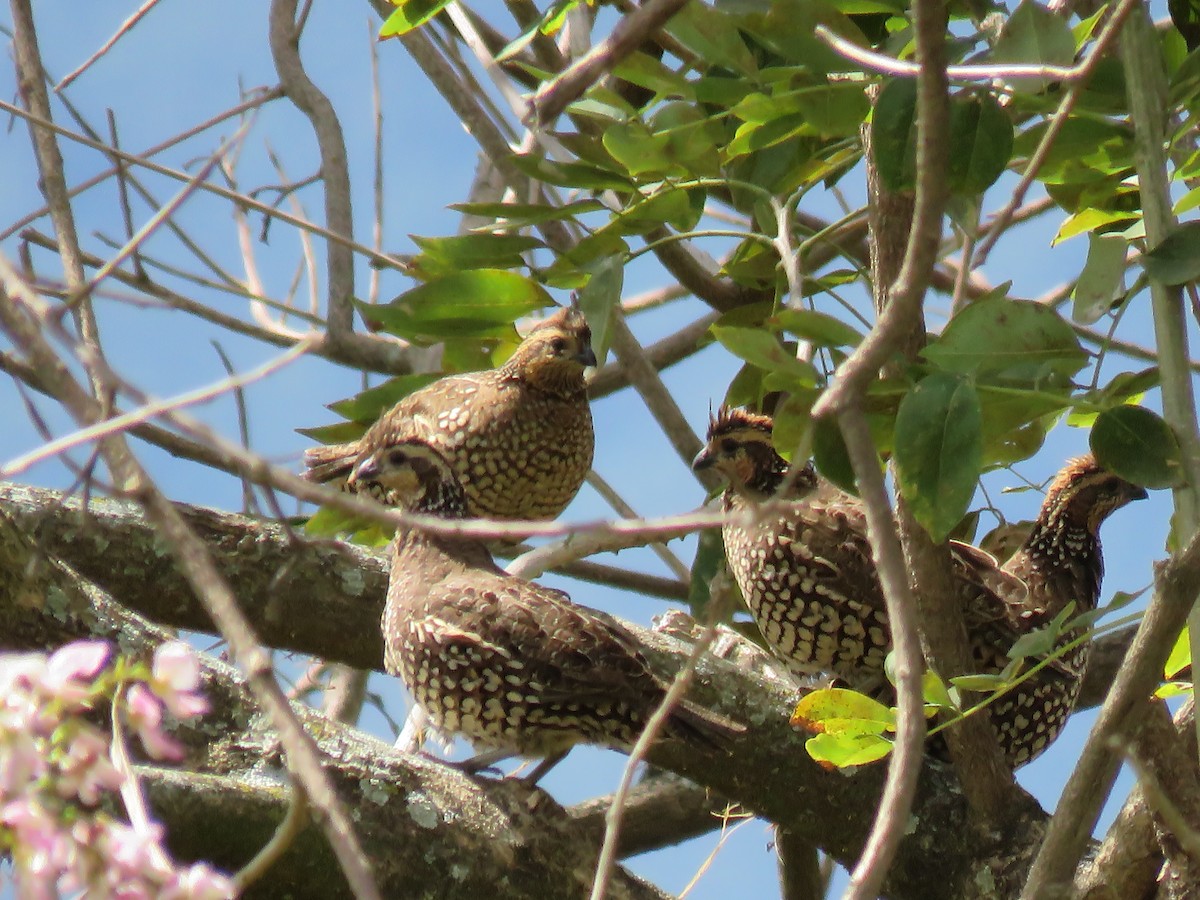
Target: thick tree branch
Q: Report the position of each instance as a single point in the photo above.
(767, 772)
(296, 592)
(427, 828)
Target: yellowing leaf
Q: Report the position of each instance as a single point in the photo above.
(838, 711)
(841, 751)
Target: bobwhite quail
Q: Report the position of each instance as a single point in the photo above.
(507, 664)
(518, 437)
(808, 578)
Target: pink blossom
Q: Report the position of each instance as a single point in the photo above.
(20, 671)
(42, 850)
(145, 716)
(136, 853)
(85, 770)
(177, 678)
(71, 669)
(21, 762)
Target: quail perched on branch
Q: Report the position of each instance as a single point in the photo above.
(508, 664)
(518, 437)
(808, 578)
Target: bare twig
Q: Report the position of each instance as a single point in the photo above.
(1001, 220)
(675, 693)
(32, 84)
(23, 321)
(124, 29)
(258, 98)
(125, 421)
(335, 171)
(905, 763)
(654, 394)
(621, 508)
(627, 35)
(294, 822)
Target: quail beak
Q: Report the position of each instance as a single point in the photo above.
(704, 460)
(364, 471)
(1136, 493)
(586, 357)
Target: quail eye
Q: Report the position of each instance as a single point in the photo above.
(397, 458)
(558, 345)
(728, 445)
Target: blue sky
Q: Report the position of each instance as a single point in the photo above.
(184, 63)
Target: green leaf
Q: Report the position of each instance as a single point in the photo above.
(761, 348)
(571, 175)
(1173, 689)
(713, 36)
(636, 148)
(1034, 643)
(842, 711)
(980, 684)
(1138, 445)
(599, 299)
(645, 71)
(1101, 280)
(831, 457)
(939, 450)
(694, 140)
(844, 751)
(981, 143)
(1181, 655)
(933, 690)
(1176, 260)
(446, 255)
(1089, 220)
(1035, 36)
(474, 303)
(1086, 619)
(337, 433)
(1124, 387)
(1010, 338)
(793, 425)
(818, 328)
(1085, 149)
(710, 557)
(894, 134)
(329, 522)
(410, 14)
(518, 215)
(834, 110)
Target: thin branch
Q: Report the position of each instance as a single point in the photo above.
(123, 30)
(32, 84)
(294, 822)
(126, 421)
(621, 508)
(654, 394)
(720, 605)
(258, 98)
(23, 324)
(626, 37)
(335, 169)
(1001, 220)
(891, 821)
(889, 65)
